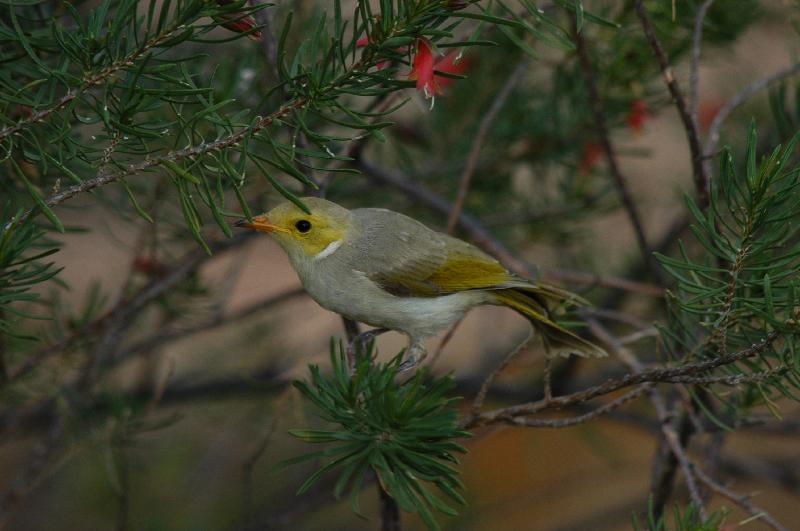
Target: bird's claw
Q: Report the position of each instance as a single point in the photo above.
(360, 343)
(415, 355)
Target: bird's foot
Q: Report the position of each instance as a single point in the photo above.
(360, 344)
(415, 354)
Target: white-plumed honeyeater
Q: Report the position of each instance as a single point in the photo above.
(387, 270)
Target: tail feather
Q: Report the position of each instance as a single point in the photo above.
(533, 302)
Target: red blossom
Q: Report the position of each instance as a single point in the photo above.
(422, 69)
(590, 155)
(708, 111)
(638, 115)
(150, 267)
(233, 22)
(451, 64)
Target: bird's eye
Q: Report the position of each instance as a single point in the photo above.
(303, 225)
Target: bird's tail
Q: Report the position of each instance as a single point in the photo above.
(535, 303)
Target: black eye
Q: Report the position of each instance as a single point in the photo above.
(303, 225)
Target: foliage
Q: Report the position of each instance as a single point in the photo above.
(743, 284)
(683, 519)
(177, 115)
(403, 433)
(19, 272)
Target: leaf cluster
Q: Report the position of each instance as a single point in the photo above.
(742, 283)
(403, 433)
(20, 270)
(683, 519)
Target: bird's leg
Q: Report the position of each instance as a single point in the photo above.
(360, 343)
(414, 355)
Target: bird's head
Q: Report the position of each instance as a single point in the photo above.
(305, 236)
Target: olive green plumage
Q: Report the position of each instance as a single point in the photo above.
(387, 270)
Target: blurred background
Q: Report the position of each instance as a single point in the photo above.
(186, 426)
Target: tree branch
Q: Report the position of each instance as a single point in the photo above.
(621, 184)
(714, 130)
(692, 134)
(586, 417)
(739, 499)
(658, 374)
(477, 142)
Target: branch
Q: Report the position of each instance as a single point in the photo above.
(477, 143)
(162, 337)
(739, 499)
(658, 374)
(714, 130)
(671, 439)
(130, 306)
(487, 383)
(36, 466)
(192, 151)
(699, 173)
(586, 417)
(88, 83)
(621, 184)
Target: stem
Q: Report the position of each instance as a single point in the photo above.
(477, 143)
(698, 170)
(621, 184)
(88, 83)
(390, 512)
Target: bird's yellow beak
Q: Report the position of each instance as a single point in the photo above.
(261, 223)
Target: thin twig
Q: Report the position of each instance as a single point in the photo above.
(487, 383)
(673, 439)
(163, 337)
(692, 135)
(88, 83)
(104, 178)
(733, 380)
(477, 142)
(586, 417)
(249, 464)
(739, 499)
(712, 141)
(268, 43)
(129, 306)
(443, 343)
(582, 278)
(620, 183)
(657, 374)
(40, 458)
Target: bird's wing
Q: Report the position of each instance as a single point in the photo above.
(416, 261)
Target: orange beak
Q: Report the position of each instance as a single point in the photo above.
(260, 223)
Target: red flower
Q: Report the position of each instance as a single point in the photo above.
(424, 65)
(236, 23)
(452, 64)
(708, 111)
(589, 157)
(638, 115)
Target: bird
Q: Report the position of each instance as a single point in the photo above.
(390, 271)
